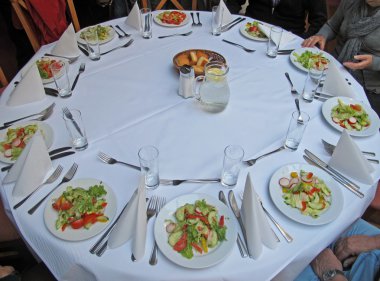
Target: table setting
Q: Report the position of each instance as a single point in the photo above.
(189, 184)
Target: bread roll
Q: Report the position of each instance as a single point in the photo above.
(183, 59)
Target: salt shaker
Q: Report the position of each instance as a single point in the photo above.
(186, 80)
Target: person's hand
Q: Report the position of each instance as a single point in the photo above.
(353, 246)
(324, 261)
(313, 40)
(6, 270)
(364, 61)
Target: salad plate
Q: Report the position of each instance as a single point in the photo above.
(336, 198)
(105, 34)
(172, 18)
(17, 142)
(70, 234)
(214, 255)
(372, 129)
(244, 30)
(322, 57)
(43, 66)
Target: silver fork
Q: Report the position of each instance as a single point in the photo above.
(153, 257)
(69, 175)
(293, 90)
(68, 115)
(176, 34)
(150, 212)
(299, 118)
(109, 160)
(241, 46)
(41, 118)
(43, 112)
(192, 16)
(81, 70)
(199, 21)
(122, 46)
(330, 149)
(253, 161)
(51, 179)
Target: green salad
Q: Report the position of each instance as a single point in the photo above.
(306, 192)
(197, 227)
(16, 140)
(350, 116)
(103, 32)
(78, 207)
(252, 28)
(309, 60)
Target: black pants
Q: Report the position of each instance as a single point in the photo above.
(374, 100)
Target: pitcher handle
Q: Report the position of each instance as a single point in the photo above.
(196, 85)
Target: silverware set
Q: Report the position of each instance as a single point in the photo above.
(67, 177)
(153, 257)
(238, 45)
(198, 23)
(230, 25)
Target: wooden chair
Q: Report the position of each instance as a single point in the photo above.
(21, 11)
(3, 79)
(175, 3)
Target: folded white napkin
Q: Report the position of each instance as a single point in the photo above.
(132, 223)
(256, 223)
(31, 167)
(223, 12)
(335, 84)
(286, 37)
(30, 89)
(67, 45)
(134, 17)
(348, 159)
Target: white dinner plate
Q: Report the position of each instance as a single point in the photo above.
(372, 129)
(45, 129)
(302, 50)
(51, 215)
(215, 255)
(249, 36)
(328, 216)
(159, 22)
(111, 35)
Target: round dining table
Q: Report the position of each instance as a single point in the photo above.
(129, 98)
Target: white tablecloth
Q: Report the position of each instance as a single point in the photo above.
(129, 99)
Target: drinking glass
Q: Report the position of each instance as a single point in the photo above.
(146, 22)
(274, 41)
(76, 129)
(59, 70)
(296, 130)
(217, 21)
(311, 83)
(92, 42)
(232, 162)
(148, 156)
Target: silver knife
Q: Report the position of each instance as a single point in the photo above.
(232, 22)
(356, 192)
(321, 163)
(242, 249)
(235, 209)
(231, 25)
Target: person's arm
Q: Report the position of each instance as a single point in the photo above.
(325, 261)
(317, 16)
(234, 5)
(354, 245)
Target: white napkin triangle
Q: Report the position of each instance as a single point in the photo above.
(348, 159)
(132, 223)
(223, 12)
(30, 89)
(31, 167)
(335, 84)
(67, 44)
(286, 37)
(134, 17)
(256, 223)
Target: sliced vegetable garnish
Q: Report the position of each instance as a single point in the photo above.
(350, 116)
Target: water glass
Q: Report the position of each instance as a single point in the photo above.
(146, 22)
(76, 129)
(274, 41)
(232, 162)
(296, 130)
(148, 156)
(311, 84)
(92, 42)
(59, 70)
(217, 21)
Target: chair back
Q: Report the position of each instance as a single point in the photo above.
(21, 10)
(3, 79)
(176, 4)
